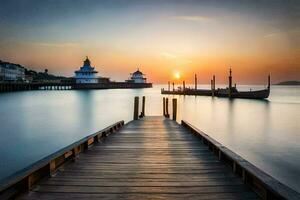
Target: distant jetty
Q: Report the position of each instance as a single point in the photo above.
(229, 92)
(289, 83)
(85, 78)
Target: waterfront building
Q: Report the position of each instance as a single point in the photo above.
(11, 72)
(137, 77)
(86, 73)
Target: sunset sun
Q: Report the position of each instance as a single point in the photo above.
(177, 75)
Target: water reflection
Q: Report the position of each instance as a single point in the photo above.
(85, 106)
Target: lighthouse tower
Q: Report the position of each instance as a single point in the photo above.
(86, 74)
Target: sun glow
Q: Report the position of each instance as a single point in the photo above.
(177, 75)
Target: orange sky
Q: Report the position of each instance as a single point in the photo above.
(159, 38)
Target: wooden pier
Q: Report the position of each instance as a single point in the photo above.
(15, 86)
(153, 157)
(229, 92)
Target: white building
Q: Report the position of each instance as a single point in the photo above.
(137, 77)
(86, 73)
(11, 72)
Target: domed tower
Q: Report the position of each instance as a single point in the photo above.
(138, 77)
(87, 62)
(86, 73)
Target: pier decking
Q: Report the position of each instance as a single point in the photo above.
(150, 158)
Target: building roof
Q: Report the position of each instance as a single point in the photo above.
(138, 72)
(87, 62)
(86, 67)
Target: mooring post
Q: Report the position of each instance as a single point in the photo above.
(174, 109)
(195, 81)
(212, 87)
(164, 106)
(136, 108)
(168, 85)
(173, 86)
(143, 107)
(167, 108)
(214, 82)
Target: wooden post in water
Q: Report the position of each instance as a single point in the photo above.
(143, 107)
(269, 81)
(174, 109)
(214, 80)
(164, 106)
(136, 108)
(183, 85)
(230, 83)
(167, 108)
(168, 85)
(212, 87)
(173, 87)
(195, 81)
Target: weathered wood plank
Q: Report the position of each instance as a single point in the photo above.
(146, 190)
(157, 196)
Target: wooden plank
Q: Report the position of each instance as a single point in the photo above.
(146, 190)
(157, 196)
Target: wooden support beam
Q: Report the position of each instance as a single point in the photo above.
(195, 81)
(136, 108)
(164, 106)
(167, 108)
(143, 107)
(174, 109)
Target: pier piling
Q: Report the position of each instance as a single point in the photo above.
(195, 81)
(167, 108)
(164, 106)
(174, 109)
(213, 86)
(143, 107)
(136, 108)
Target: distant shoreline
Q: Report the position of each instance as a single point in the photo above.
(288, 83)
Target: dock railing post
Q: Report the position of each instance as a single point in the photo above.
(167, 108)
(136, 108)
(143, 107)
(174, 109)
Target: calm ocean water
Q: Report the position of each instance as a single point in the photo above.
(35, 124)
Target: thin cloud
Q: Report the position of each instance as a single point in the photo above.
(175, 57)
(168, 55)
(194, 18)
(270, 35)
(45, 44)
